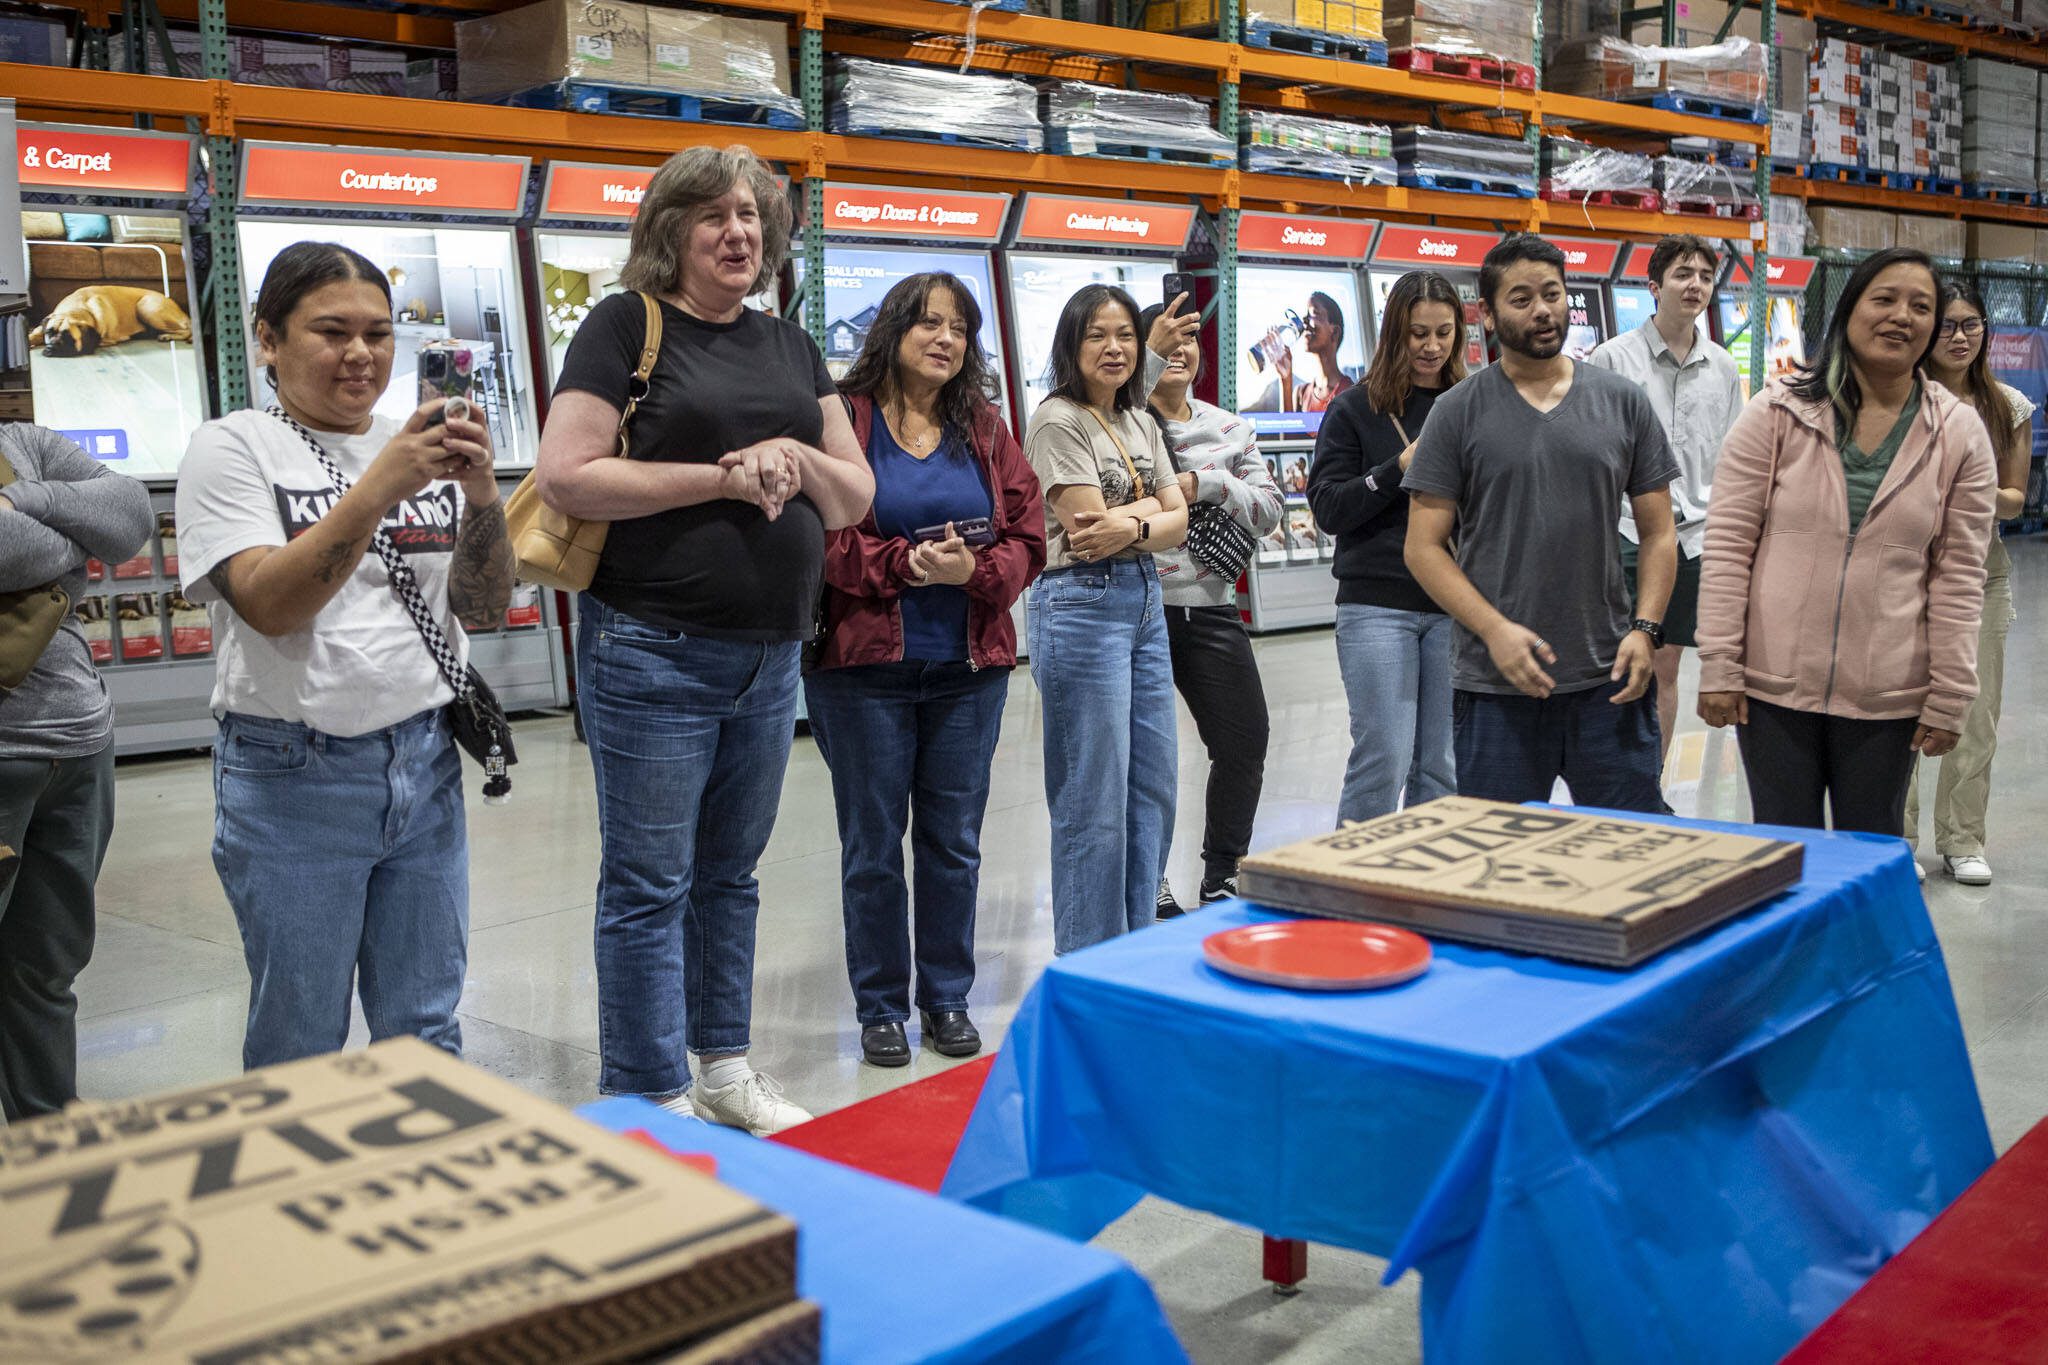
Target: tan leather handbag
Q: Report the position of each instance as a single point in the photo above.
(29, 619)
(557, 550)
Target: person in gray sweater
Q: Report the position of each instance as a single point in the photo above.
(1218, 462)
(56, 759)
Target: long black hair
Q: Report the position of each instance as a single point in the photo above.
(873, 375)
(1983, 390)
(1065, 366)
(301, 268)
(1829, 377)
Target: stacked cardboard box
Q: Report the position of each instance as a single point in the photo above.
(1843, 229)
(625, 46)
(1497, 30)
(2000, 242)
(390, 1204)
(1941, 237)
(1610, 68)
(1786, 231)
(1572, 23)
(1879, 111)
(2001, 111)
(1360, 20)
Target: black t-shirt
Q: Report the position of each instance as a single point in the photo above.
(1355, 489)
(719, 569)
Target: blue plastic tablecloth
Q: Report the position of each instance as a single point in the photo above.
(1693, 1161)
(903, 1276)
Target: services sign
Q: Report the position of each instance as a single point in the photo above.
(97, 162)
(1789, 273)
(290, 175)
(1064, 221)
(1294, 234)
(1428, 246)
(887, 211)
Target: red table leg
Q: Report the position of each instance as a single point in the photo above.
(1286, 1264)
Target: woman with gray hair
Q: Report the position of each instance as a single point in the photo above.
(742, 459)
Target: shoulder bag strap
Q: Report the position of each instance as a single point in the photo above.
(403, 582)
(7, 474)
(650, 351)
(1136, 483)
(1405, 442)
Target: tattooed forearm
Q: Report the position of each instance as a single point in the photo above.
(480, 577)
(337, 562)
(222, 584)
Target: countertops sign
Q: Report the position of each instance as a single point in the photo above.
(288, 175)
(944, 215)
(1427, 246)
(1292, 234)
(1105, 222)
(1586, 257)
(577, 190)
(1791, 273)
(97, 162)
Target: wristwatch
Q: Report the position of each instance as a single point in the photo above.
(1653, 629)
(1144, 531)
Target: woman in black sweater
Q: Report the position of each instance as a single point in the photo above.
(1393, 642)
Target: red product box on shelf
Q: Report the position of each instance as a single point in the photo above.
(524, 612)
(139, 626)
(98, 630)
(191, 628)
(142, 566)
(94, 571)
(167, 542)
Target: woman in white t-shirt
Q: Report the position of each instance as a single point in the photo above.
(338, 824)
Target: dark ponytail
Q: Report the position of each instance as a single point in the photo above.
(301, 268)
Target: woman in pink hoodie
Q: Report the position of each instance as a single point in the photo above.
(1844, 568)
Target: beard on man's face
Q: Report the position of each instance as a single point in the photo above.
(1522, 339)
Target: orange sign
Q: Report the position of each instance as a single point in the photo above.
(579, 191)
(881, 211)
(1292, 234)
(1637, 271)
(1105, 222)
(1401, 245)
(276, 173)
(1585, 256)
(112, 163)
(1780, 272)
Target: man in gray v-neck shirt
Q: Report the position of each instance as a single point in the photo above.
(1535, 489)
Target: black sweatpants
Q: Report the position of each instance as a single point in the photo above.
(1797, 760)
(58, 816)
(1218, 678)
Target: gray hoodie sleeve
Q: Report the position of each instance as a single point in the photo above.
(105, 513)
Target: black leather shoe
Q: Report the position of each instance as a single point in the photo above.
(885, 1045)
(951, 1033)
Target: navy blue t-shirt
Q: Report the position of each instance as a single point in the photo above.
(910, 494)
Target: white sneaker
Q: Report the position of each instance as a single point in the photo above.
(1968, 870)
(754, 1102)
(680, 1106)
(1920, 871)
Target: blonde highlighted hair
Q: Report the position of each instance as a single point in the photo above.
(687, 183)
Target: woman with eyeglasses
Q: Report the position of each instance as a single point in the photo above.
(1960, 363)
(1844, 569)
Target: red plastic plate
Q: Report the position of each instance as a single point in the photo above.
(1319, 954)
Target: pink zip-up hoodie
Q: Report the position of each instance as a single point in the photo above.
(1881, 625)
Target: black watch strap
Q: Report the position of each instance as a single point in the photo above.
(1653, 629)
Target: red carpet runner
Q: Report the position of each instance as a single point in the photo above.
(907, 1134)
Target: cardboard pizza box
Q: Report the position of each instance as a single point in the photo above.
(392, 1204)
(1597, 888)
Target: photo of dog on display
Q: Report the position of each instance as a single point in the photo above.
(99, 315)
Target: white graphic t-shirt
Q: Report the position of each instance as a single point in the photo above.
(249, 480)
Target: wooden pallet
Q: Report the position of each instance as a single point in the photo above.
(1313, 42)
(585, 97)
(1702, 106)
(1647, 200)
(1687, 207)
(1001, 144)
(1423, 61)
(1060, 142)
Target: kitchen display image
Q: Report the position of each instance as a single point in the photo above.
(1040, 286)
(1303, 337)
(112, 357)
(452, 289)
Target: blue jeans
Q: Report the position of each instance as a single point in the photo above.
(1397, 678)
(1112, 752)
(1514, 748)
(689, 738)
(909, 745)
(346, 862)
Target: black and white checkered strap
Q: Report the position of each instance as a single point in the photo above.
(403, 581)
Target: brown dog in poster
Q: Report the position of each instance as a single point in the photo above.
(106, 315)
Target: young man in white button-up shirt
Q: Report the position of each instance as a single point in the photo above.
(1697, 392)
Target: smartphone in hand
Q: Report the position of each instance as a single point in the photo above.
(1177, 284)
(975, 531)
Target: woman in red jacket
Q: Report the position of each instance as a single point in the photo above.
(907, 697)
